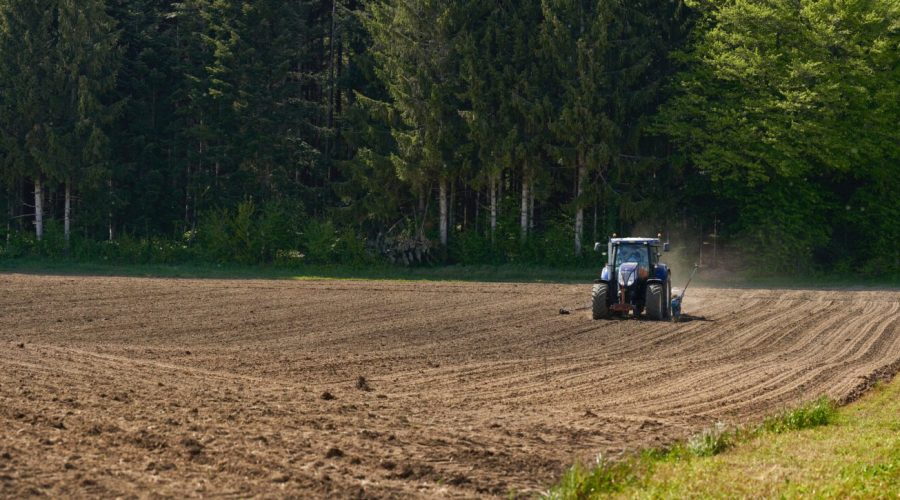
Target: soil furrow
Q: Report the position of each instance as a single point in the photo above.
(192, 388)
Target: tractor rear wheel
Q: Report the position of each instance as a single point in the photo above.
(599, 307)
(654, 302)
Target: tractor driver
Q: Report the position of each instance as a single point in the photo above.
(633, 253)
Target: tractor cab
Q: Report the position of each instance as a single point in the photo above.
(633, 279)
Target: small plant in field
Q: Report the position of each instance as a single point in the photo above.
(710, 442)
(813, 414)
(604, 477)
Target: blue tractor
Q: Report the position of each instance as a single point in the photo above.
(633, 280)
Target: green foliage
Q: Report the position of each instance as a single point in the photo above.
(604, 477)
(350, 250)
(319, 241)
(791, 111)
(781, 225)
(165, 118)
(470, 247)
(248, 235)
(821, 411)
(58, 66)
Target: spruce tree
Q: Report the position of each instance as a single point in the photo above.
(414, 43)
(59, 65)
(27, 62)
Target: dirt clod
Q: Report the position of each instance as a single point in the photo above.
(192, 446)
(280, 477)
(327, 396)
(334, 453)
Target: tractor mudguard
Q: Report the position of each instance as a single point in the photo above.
(661, 272)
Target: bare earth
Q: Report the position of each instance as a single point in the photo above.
(153, 387)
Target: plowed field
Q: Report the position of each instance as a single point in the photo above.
(123, 386)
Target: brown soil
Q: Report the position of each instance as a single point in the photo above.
(121, 386)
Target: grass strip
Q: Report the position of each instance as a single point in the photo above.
(816, 449)
(510, 273)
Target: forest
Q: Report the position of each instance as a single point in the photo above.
(429, 132)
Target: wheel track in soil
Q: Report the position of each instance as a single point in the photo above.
(201, 387)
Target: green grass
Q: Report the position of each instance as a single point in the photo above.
(516, 273)
(816, 450)
(501, 273)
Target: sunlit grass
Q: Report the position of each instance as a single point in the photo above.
(814, 450)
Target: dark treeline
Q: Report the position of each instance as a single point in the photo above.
(466, 131)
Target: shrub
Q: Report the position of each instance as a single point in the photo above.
(350, 249)
(319, 240)
(249, 235)
(213, 234)
(470, 247)
(53, 243)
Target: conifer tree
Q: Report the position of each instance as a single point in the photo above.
(576, 40)
(59, 65)
(414, 44)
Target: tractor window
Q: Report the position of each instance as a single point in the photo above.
(632, 253)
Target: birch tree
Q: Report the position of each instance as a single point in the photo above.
(59, 63)
(26, 65)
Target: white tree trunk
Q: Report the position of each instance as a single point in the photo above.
(523, 219)
(38, 209)
(451, 211)
(579, 211)
(531, 209)
(67, 217)
(444, 211)
(493, 206)
(109, 213)
(10, 212)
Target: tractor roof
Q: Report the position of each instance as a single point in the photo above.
(652, 241)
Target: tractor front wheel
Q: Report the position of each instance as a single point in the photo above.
(654, 302)
(599, 307)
